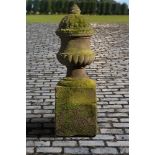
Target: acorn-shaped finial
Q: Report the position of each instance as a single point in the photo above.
(75, 9)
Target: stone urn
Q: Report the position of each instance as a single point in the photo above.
(76, 93)
(75, 52)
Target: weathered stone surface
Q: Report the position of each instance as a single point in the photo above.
(76, 94)
(76, 111)
(124, 150)
(118, 143)
(91, 143)
(49, 149)
(30, 149)
(78, 150)
(64, 143)
(105, 150)
(42, 143)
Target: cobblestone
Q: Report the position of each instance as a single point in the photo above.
(118, 143)
(120, 125)
(124, 119)
(112, 131)
(30, 149)
(124, 150)
(49, 149)
(103, 137)
(42, 143)
(80, 150)
(64, 143)
(110, 70)
(122, 137)
(105, 150)
(91, 143)
(117, 114)
(30, 143)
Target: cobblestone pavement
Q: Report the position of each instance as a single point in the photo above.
(110, 70)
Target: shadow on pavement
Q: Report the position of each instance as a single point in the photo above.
(40, 127)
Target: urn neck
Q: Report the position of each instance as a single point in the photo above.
(76, 72)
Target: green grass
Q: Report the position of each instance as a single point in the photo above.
(91, 18)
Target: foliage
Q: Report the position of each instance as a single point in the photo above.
(101, 7)
(124, 9)
(36, 6)
(107, 8)
(28, 6)
(49, 6)
(43, 6)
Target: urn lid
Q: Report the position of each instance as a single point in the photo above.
(74, 24)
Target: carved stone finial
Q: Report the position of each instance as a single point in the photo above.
(75, 52)
(75, 9)
(76, 93)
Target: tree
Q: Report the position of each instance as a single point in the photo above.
(102, 8)
(43, 6)
(83, 6)
(59, 6)
(36, 6)
(98, 7)
(113, 8)
(62, 6)
(87, 9)
(109, 1)
(53, 4)
(124, 9)
(118, 8)
(107, 8)
(49, 6)
(92, 7)
(70, 4)
(65, 6)
(28, 6)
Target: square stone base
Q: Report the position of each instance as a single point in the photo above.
(75, 111)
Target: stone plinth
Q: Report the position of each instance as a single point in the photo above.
(76, 107)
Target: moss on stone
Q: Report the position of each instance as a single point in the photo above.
(76, 51)
(76, 58)
(80, 52)
(74, 25)
(76, 121)
(75, 111)
(75, 97)
(77, 82)
(85, 95)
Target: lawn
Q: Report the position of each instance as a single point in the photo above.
(90, 18)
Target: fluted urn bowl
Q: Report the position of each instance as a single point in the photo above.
(75, 51)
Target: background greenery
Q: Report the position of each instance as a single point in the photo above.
(99, 7)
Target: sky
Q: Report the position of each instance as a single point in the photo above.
(122, 1)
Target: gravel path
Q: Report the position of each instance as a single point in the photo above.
(110, 70)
